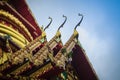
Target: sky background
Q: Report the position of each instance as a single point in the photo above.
(99, 32)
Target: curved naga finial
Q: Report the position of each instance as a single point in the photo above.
(63, 22)
(79, 21)
(48, 24)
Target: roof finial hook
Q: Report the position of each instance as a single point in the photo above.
(79, 21)
(48, 24)
(63, 22)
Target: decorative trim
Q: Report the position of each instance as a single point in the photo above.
(42, 70)
(15, 20)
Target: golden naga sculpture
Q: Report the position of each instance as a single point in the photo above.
(62, 56)
(45, 52)
(60, 59)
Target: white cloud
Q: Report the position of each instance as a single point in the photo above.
(99, 51)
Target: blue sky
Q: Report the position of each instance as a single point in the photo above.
(99, 32)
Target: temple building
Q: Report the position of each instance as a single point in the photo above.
(25, 53)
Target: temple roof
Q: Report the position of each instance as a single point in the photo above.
(38, 58)
(21, 10)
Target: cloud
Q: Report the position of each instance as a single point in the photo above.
(101, 54)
